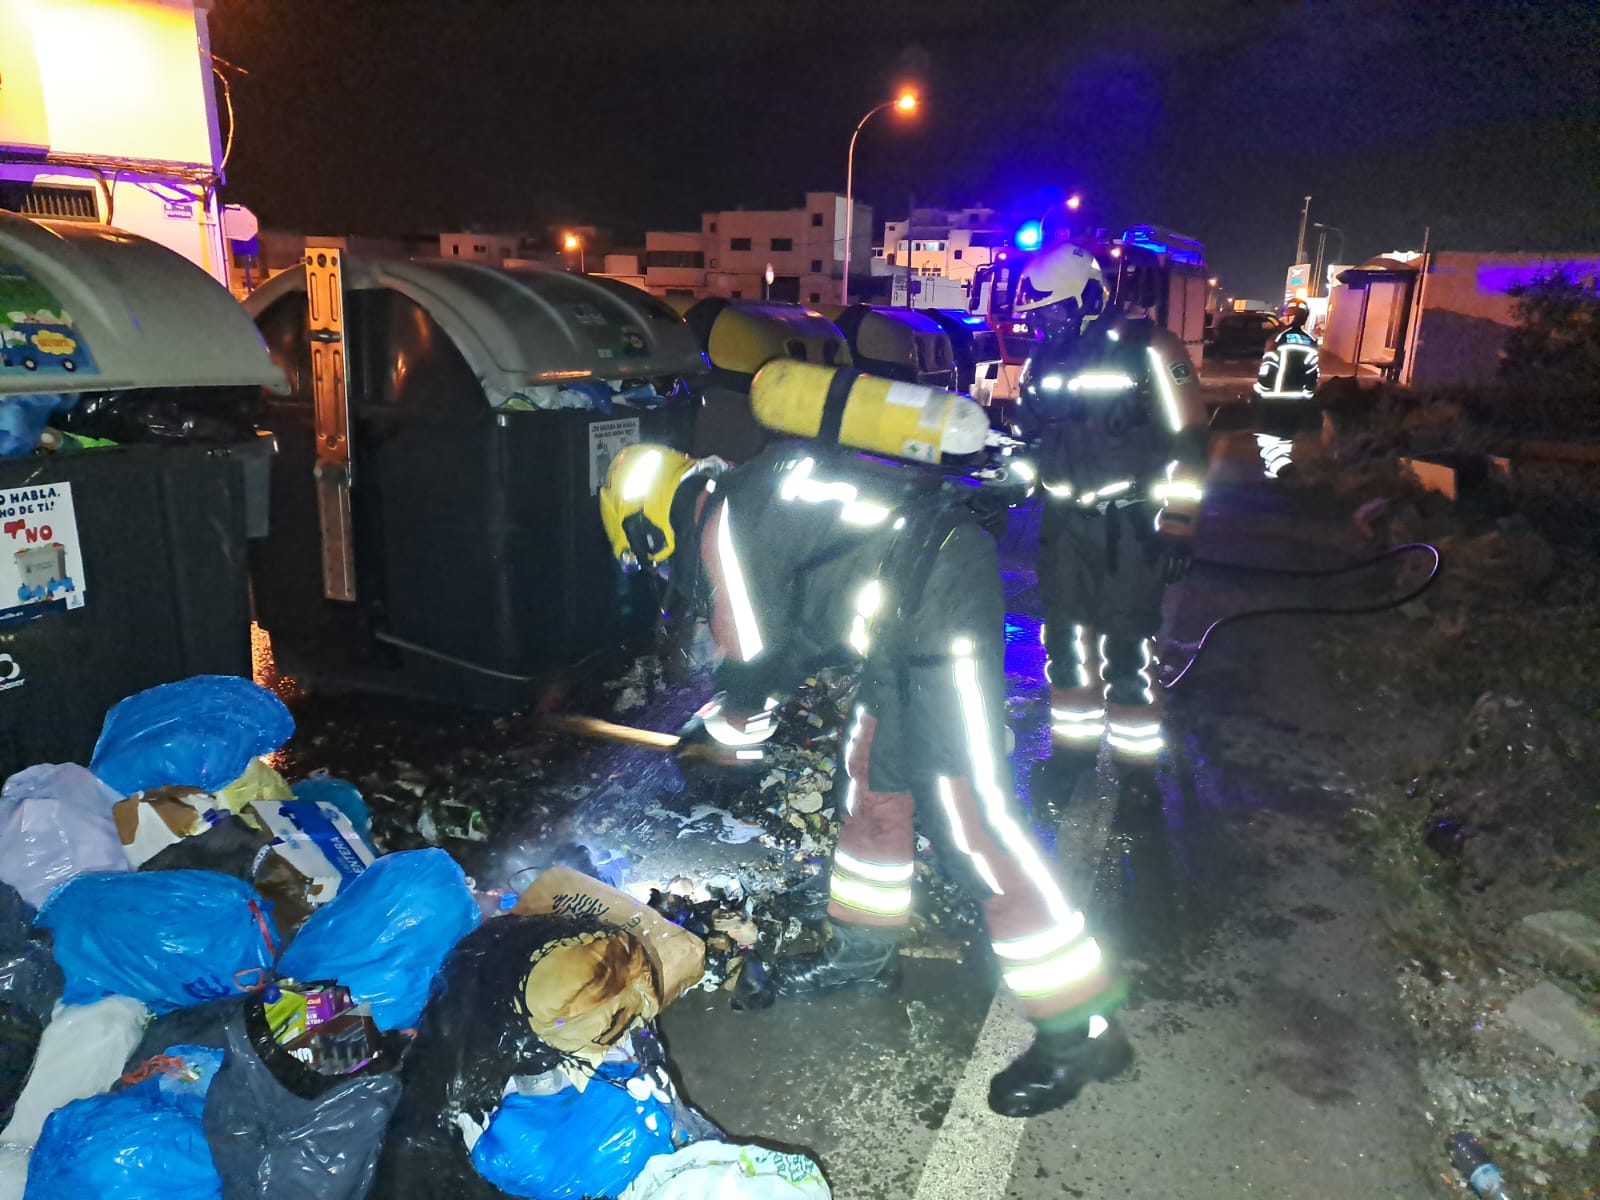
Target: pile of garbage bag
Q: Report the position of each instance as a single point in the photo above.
(213, 986)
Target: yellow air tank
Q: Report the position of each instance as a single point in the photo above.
(844, 407)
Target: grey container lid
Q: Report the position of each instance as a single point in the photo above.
(526, 327)
(104, 310)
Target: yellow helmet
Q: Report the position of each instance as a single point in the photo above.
(636, 501)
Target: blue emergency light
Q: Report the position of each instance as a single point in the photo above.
(1029, 236)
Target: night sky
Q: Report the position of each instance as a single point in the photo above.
(1479, 118)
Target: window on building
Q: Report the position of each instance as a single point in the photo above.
(693, 260)
(958, 255)
(455, 248)
(63, 203)
(816, 266)
(713, 264)
(988, 239)
(893, 259)
(480, 250)
(877, 252)
(738, 243)
(816, 220)
(736, 295)
(816, 297)
(781, 244)
(711, 227)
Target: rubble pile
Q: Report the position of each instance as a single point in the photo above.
(215, 984)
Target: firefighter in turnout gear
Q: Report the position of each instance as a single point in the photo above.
(810, 555)
(1122, 463)
(1285, 383)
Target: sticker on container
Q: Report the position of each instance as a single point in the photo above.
(41, 563)
(606, 440)
(907, 395)
(37, 334)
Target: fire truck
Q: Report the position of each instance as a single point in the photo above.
(1163, 271)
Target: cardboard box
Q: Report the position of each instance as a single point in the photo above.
(679, 957)
(149, 822)
(317, 840)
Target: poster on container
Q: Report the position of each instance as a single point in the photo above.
(606, 440)
(41, 563)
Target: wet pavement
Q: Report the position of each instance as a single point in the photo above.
(1263, 1005)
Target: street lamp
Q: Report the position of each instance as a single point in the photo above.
(573, 242)
(906, 104)
(1073, 201)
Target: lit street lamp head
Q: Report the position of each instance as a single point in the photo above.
(570, 242)
(907, 103)
(1074, 201)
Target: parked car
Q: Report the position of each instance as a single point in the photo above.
(1241, 334)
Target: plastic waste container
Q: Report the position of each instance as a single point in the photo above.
(740, 337)
(482, 409)
(121, 567)
(899, 343)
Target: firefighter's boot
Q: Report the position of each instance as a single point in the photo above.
(856, 957)
(1057, 1066)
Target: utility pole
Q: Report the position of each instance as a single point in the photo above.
(911, 246)
(1300, 246)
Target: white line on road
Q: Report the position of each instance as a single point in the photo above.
(973, 1156)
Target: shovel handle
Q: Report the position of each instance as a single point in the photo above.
(611, 731)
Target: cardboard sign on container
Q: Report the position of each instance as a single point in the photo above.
(679, 956)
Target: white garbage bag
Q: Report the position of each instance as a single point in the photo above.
(82, 1054)
(55, 823)
(728, 1172)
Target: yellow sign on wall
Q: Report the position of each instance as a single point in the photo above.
(125, 79)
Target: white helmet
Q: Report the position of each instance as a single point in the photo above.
(1065, 274)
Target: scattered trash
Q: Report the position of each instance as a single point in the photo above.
(257, 782)
(1475, 1166)
(386, 933)
(81, 1055)
(149, 822)
(729, 1172)
(144, 1140)
(318, 841)
(169, 938)
(200, 732)
(55, 824)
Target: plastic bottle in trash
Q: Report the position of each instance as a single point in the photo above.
(1472, 1160)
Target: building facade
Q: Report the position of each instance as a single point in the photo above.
(109, 115)
(941, 244)
(730, 253)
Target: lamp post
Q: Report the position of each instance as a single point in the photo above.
(906, 102)
(573, 242)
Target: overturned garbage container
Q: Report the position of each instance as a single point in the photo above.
(127, 383)
(435, 530)
(740, 337)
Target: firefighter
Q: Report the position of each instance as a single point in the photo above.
(1285, 383)
(1122, 459)
(810, 556)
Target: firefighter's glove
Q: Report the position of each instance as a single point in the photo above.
(1176, 557)
(712, 736)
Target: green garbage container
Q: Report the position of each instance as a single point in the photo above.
(126, 567)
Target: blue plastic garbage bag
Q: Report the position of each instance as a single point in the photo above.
(24, 418)
(143, 1141)
(168, 938)
(199, 732)
(574, 1144)
(342, 794)
(386, 933)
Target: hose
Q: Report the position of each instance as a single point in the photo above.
(1312, 609)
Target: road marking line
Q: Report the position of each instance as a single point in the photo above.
(972, 1157)
(976, 1149)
